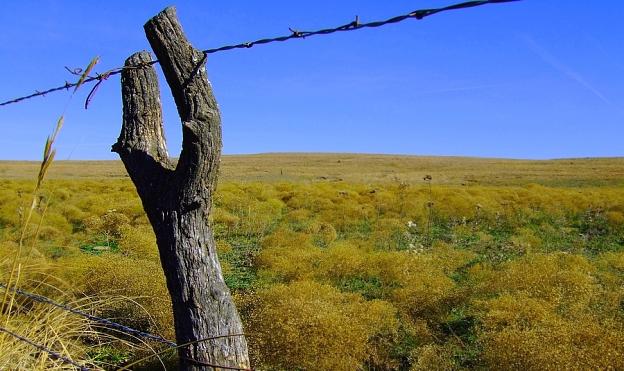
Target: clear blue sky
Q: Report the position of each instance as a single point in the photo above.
(532, 79)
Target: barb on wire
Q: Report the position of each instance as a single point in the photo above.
(295, 34)
(356, 25)
(103, 321)
(100, 78)
(74, 71)
(53, 354)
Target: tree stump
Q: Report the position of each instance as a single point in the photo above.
(177, 198)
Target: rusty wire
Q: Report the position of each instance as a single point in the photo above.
(294, 34)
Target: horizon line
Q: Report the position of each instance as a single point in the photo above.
(355, 154)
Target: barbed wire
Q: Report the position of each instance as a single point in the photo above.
(125, 329)
(128, 330)
(100, 320)
(52, 353)
(294, 34)
(112, 324)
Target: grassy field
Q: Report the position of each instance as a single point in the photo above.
(342, 262)
(357, 168)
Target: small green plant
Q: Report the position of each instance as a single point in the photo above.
(108, 356)
(99, 247)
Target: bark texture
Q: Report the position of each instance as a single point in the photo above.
(178, 198)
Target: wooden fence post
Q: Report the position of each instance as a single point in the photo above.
(177, 198)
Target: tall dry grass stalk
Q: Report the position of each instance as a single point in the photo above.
(68, 334)
(44, 325)
(49, 152)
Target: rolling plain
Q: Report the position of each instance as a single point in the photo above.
(340, 261)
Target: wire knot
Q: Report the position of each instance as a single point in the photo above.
(103, 76)
(74, 71)
(143, 65)
(419, 14)
(295, 33)
(99, 77)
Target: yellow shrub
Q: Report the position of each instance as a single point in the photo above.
(109, 224)
(261, 216)
(58, 222)
(415, 285)
(223, 217)
(12, 211)
(425, 295)
(519, 307)
(298, 215)
(388, 234)
(247, 216)
(520, 332)
(287, 256)
(324, 233)
(611, 277)
(138, 241)
(614, 261)
(526, 241)
(448, 258)
(566, 279)
(72, 213)
(615, 218)
(344, 260)
(47, 233)
(142, 282)
(432, 357)
(306, 325)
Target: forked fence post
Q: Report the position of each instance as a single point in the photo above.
(178, 198)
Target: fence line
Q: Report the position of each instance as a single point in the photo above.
(53, 354)
(294, 34)
(125, 329)
(102, 321)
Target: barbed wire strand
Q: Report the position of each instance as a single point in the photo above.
(295, 34)
(53, 354)
(103, 321)
(111, 324)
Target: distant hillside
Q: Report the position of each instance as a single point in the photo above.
(367, 168)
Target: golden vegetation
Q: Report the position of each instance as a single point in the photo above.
(357, 168)
(373, 274)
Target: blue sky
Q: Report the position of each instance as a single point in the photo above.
(532, 79)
